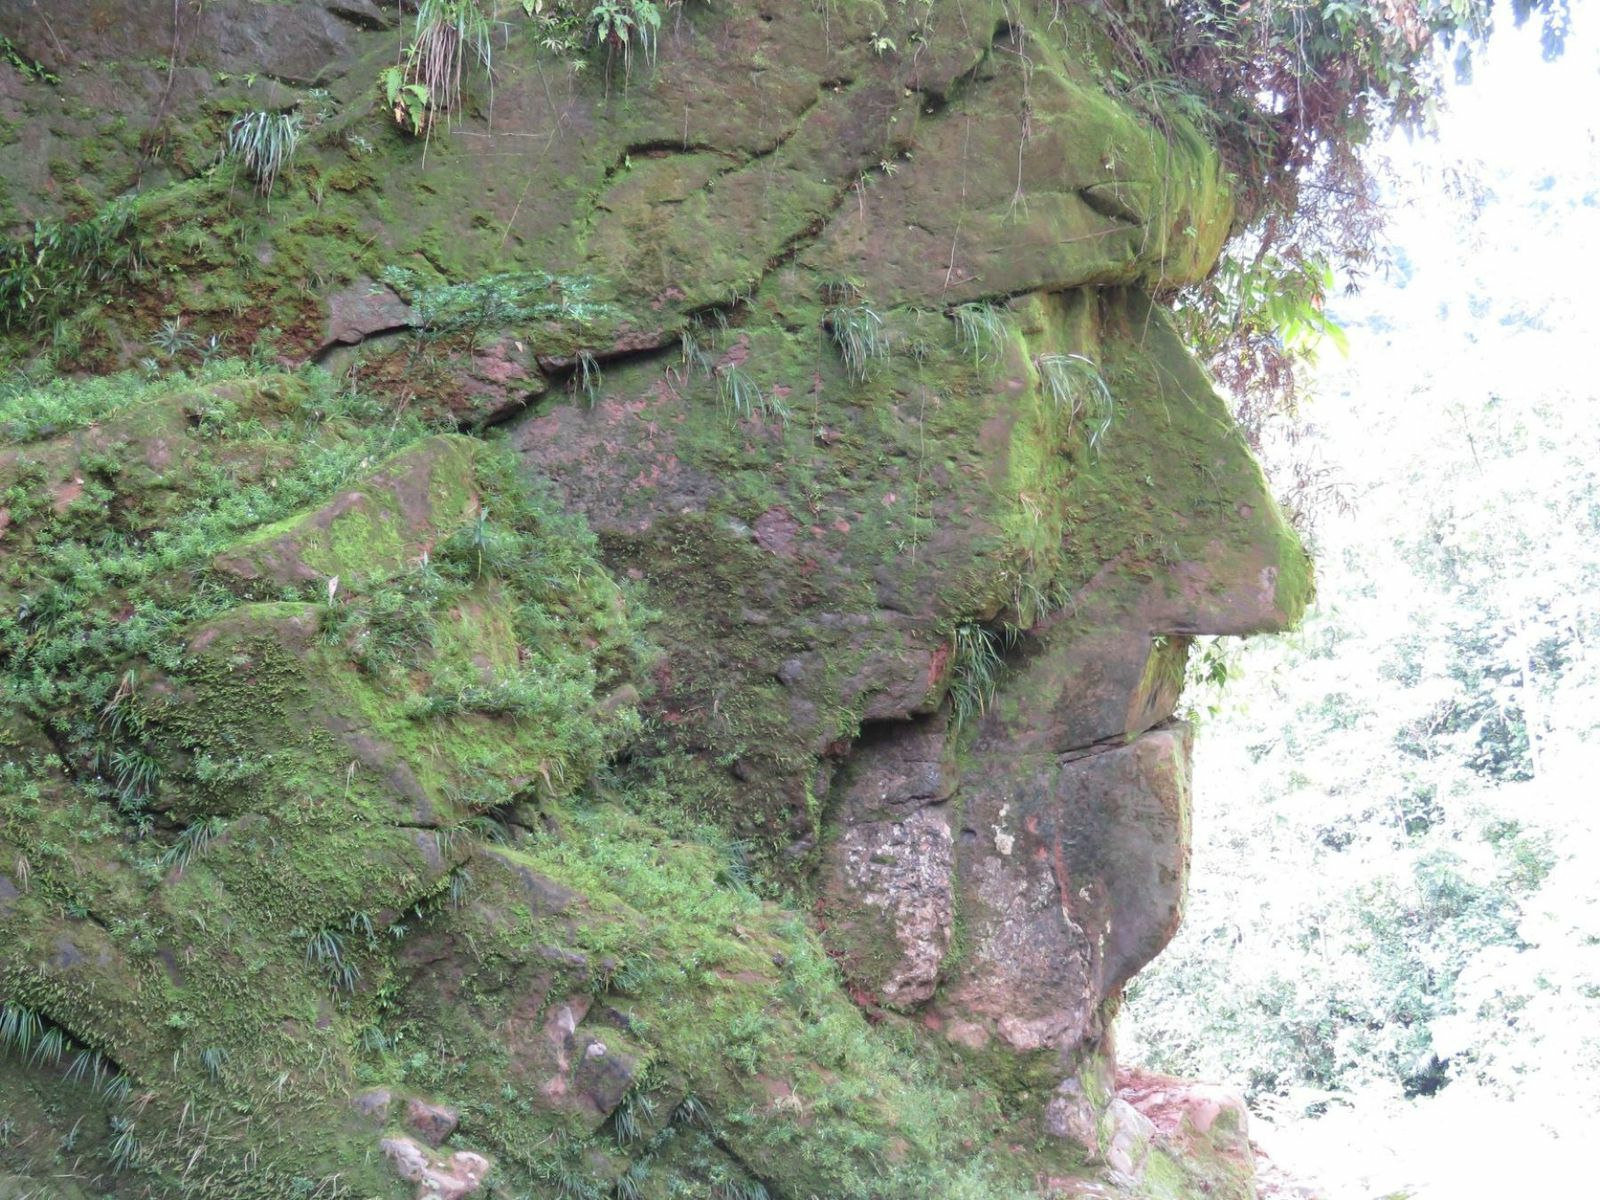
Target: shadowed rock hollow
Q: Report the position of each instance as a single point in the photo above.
(624, 647)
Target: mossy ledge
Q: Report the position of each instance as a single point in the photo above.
(624, 647)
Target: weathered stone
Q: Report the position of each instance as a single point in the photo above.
(602, 1072)
(1126, 1144)
(888, 903)
(436, 1177)
(431, 1122)
(817, 548)
(1071, 874)
(373, 1104)
(363, 309)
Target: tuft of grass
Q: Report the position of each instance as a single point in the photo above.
(213, 1059)
(587, 378)
(630, 1184)
(325, 948)
(743, 397)
(192, 841)
(630, 1119)
(1075, 385)
(858, 332)
(124, 1150)
(694, 348)
(263, 143)
(21, 1029)
(976, 663)
(691, 1111)
(982, 330)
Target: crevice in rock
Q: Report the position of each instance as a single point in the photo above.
(370, 18)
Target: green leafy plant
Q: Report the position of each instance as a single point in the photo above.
(60, 265)
(172, 339)
(618, 24)
(263, 143)
(407, 99)
(25, 66)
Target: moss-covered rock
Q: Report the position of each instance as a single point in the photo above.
(690, 700)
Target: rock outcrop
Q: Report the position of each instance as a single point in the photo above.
(651, 667)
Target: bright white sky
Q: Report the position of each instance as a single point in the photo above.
(1504, 304)
(1528, 129)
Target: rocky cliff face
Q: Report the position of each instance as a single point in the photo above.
(623, 645)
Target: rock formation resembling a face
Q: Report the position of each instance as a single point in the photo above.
(832, 374)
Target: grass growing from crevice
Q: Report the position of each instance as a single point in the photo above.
(744, 398)
(450, 39)
(264, 144)
(858, 333)
(977, 660)
(1074, 384)
(982, 331)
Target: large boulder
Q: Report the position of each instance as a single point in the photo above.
(681, 692)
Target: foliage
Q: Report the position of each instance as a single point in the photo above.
(264, 144)
(407, 99)
(976, 661)
(619, 24)
(495, 301)
(858, 333)
(1075, 386)
(449, 39)
(66, 643)
(62, 264)
(1423, 748)
(1292, 92)
(30, 411)
(25, 66)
